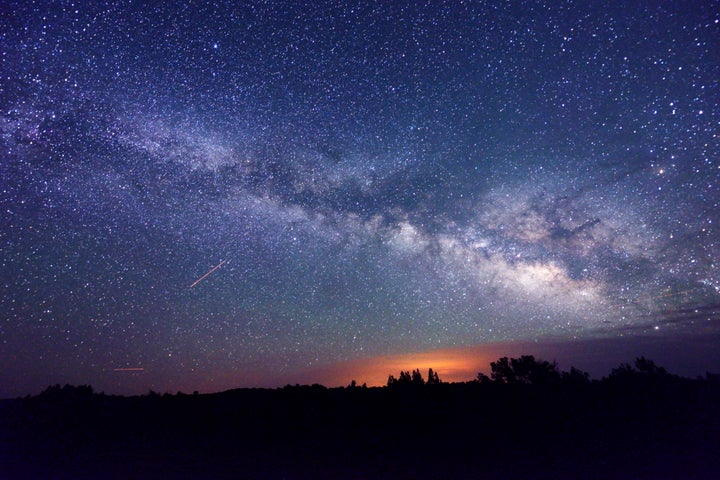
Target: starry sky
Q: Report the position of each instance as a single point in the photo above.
(368, 185)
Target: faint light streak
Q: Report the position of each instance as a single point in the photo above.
(129, 369)
(208, 273)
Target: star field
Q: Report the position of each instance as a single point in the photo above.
(379, 178)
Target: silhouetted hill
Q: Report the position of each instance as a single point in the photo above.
(639, 422)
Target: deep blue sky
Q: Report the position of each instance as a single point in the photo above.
(379, 178)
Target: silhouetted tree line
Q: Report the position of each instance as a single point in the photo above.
(526, 370)
(414, 379)
(527, 419)
(66, 393)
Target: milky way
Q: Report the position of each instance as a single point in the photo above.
(378, 178)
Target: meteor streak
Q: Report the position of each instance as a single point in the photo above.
(208, 273)
(129, 369)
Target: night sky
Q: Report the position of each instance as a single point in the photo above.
(370, 186)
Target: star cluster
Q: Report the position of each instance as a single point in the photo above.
(378, 178)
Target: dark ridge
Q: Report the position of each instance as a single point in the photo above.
(527, 420)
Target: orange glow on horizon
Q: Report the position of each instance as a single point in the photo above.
(460, 364)
(452, 365)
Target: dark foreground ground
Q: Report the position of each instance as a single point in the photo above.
(635, 427)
